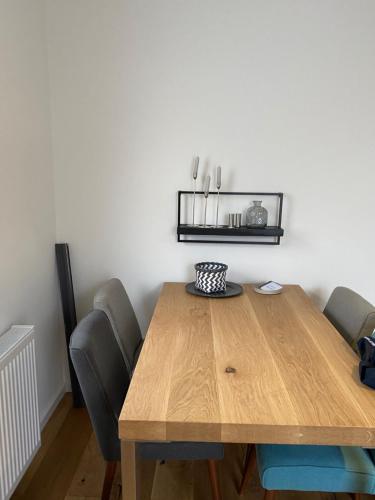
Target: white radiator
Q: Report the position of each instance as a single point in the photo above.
(19, 416)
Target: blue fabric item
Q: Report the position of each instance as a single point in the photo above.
(316, 468)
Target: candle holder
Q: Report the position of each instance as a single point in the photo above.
(195, 175)
(206, 193)
(218, 186)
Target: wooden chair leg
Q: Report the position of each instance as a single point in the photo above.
(355, 496)
(250, 465)
(269, 495)
(213, 479)
(247, 455)
(108, 480)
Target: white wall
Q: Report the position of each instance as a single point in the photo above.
(281, 94)
(28, 285)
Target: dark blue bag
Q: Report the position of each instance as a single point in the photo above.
(366, 349)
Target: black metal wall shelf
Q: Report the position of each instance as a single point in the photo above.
(275, 232)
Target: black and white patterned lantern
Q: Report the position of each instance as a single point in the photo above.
(210, 277)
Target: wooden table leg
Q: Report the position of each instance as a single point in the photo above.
(130, 471)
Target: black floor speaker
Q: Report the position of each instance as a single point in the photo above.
(69, 312)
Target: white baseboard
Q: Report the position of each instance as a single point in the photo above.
(44, 419)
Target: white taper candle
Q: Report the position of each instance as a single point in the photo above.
(207, 186)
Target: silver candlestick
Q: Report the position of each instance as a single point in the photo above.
(206, 193)
(218, 186)
(195, 175)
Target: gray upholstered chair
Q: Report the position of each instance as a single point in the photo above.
(104, 380)
(112, 299)
(350, 314)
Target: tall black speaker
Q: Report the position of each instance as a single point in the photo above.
(69, 312)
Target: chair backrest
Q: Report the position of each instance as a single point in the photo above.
(114, 301)
(103, 378)
(350, 314)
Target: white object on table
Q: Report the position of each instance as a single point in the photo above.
(269, 288)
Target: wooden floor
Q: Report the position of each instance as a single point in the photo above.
(69, 467)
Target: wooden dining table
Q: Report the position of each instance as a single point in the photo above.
(247, 369)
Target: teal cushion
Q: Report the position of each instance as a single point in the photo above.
(316, 468)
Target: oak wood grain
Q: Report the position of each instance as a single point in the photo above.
(252, 368)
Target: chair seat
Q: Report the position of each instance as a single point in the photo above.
(316, 468)
(181, 451)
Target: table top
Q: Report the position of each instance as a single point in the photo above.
(250, 369)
